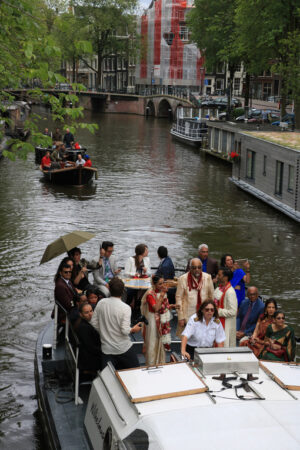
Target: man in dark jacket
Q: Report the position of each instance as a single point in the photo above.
(166, 267)
(64, 291)
(68, 138)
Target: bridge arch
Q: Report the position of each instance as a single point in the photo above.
(164, 109)
(150, 108)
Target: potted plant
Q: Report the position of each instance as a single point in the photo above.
(234, 156)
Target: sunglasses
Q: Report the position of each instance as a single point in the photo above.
(280, 318)
(196, 267)
(208, 309)
(67, 271)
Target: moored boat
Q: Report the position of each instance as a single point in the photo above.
(189, 127)
(74, 175)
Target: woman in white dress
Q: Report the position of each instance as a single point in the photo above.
(203, 329)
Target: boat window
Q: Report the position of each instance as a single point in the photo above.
(291, 178)
(137, 440)
(279, 178)
(250, 171)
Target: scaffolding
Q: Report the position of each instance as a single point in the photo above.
(168, 58)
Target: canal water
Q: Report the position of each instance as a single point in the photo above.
(150, 190)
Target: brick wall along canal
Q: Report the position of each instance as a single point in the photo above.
(150, 189)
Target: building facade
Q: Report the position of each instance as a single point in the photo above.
(168, 60)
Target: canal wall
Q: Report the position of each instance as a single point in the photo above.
(267, 170)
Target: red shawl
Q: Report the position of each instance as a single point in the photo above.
(194, 284)
(220, 304)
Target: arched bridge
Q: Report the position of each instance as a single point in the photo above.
(156, 105)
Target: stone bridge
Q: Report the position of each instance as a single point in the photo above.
(157, 105)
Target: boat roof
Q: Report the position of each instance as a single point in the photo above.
(212, 417)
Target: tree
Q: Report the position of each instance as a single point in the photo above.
(29, 54)
(108, 25)
(270, 39)
(212, 26)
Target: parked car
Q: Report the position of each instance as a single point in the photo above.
(289, 118)
(63, 86)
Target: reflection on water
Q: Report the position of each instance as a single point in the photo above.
(149, 189)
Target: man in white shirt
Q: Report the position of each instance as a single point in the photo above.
(111, 319)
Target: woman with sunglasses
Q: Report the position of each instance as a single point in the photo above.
(280, 344)
(203, 329)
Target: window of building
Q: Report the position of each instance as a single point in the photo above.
(219, 83)
(279, 178)
(265, 165)
(236, 84)
(183, 32)
(267, 89)
(291, 178)
(220, 68)
(238, 68)
(250, 170)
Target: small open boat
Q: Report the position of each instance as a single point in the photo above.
(74, 176)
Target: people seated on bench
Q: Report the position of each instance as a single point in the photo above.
(112, 319)
(280, 343)
(80, 161)
(64, 290)
(46, 161)
(88, 162)
(80, 270)
(257, 341)
(93, 295)
(89, 358)
(203, 329)
(249, 311)
(107, 267)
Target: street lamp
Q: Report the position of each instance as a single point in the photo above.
(201, 80)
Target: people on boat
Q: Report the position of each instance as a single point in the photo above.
(77, 146)
(240, 277)
(55, 155)
(226, 301)
(46, 161)
(157, 333)
(209, 265)
(107, 267)
(80, 270)
(64, 291)
(89, 357)
(93, 295)
(57, 136)
(80, 161)
(166, 267)
(112, 319)
(193, 288)
(46, 132)
(68, 139)
(256, 341)
(139, 264)
(204, 329)
(88, 162)
(249, 311)
(279, 343)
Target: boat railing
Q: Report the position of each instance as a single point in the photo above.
(71, 348)
(194, 133)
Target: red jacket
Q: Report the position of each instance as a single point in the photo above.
(88, 163)
(46, 161)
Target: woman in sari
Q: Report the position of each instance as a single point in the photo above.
(257, 341)
(240, 277)
(157, 334)
(280, 344)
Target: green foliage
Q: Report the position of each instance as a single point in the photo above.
(31, 52)
(238, 112)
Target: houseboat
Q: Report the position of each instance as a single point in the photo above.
(189, 127)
